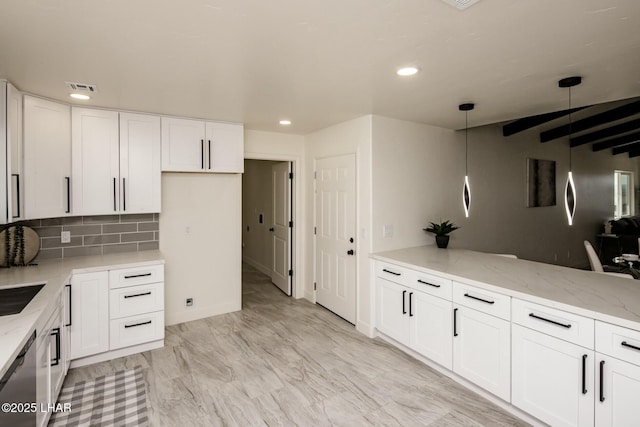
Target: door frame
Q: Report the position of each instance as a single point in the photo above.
(357, 234)
(297, 249)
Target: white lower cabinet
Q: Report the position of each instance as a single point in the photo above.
(552, 378)
(393, 319)
(432, 328)
(89, 314)
(482, 350)
(617, 393)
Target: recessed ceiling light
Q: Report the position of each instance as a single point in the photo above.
(285, 122)
(80, 96)
(407, 71)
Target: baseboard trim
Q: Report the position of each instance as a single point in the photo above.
(261, 268)
(508, 407)
(114, 354)
(201, 313)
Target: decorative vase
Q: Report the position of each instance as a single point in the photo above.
(442, 241)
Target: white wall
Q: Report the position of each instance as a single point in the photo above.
(257, 198)
(420, 168)
(200, 238)
(353, 136)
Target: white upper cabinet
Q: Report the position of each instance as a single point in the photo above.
(139, 163)
(198, 146)
(47, 158)
(95, 160)
(116, 162)
(15, 189)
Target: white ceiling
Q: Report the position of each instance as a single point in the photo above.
(324, 61)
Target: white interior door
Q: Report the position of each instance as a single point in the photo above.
(281, 231)
(335, 205)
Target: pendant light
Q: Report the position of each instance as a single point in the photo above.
(466, 190)
(570, 188)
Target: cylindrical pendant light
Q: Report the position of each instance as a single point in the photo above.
(466, 190)
(570, 188)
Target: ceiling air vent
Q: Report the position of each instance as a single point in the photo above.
(82, 87)
(461, 4)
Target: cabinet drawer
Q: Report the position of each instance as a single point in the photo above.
(618, 342)
(136, 276)
(134, 330)
(489, 302)
(134, 300)
(557, 323)
(432, 285)
(393, 273)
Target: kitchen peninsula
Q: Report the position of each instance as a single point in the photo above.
(557, 344)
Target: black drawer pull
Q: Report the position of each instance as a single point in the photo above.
(138, 295)
(404, 309)
(391, 272)
(550, 321)
(584, 374)
(410, 312)
(133, 276)
(602, 381)
(455, 322)
(427, 283)
(625, 344)
(138, 324)
(479, 299)
(69, 285)
(56, 360)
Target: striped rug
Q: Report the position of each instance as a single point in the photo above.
(111, 400)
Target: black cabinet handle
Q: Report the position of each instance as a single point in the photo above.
(455, 322)
(17, 193)
(404, 308)
(56, 360)
(550, 321)
(625, 344)
(114, 195)
(584, 374)
(202, 154)
(68, 179)
(138, 295)
(391, 272)
(479, 299)
(427, 283)
(69, 324)
(148, 322)
(124, 194)
(410, 303)
(602, 381)
(133, 276)
(209, 154)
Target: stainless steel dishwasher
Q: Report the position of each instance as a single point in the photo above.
(18, 389)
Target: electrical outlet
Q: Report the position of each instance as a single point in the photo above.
(189, 302)
(65, 237)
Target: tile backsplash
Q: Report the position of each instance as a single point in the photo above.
(96, 235)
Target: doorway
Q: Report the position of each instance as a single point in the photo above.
(267, 220)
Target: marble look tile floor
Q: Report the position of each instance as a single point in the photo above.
(286, 362)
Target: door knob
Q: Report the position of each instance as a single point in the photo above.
(272, 229)
(351, 240)
(350, 252)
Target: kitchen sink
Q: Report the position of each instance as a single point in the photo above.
(14, 300)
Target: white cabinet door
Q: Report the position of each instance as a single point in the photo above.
(552, 378)
(57, 353)
(183, 145)
(432, 328)
(15, 189)
(139, 163)
(43, 376)
(96, 161)
(617, 390)
(89, 314)
(47, 158)
(225, 145)
(393, 310)
(482, 350)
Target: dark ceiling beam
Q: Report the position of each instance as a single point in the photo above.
(626, 148)
(533, 121)
(614, 142)
(606, 133)
(634, 153)
(593, 121)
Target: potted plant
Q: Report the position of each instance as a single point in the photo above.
(442, 231)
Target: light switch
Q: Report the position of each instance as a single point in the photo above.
(387, 231)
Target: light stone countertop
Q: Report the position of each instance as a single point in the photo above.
(602, 297)
(17, 328)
